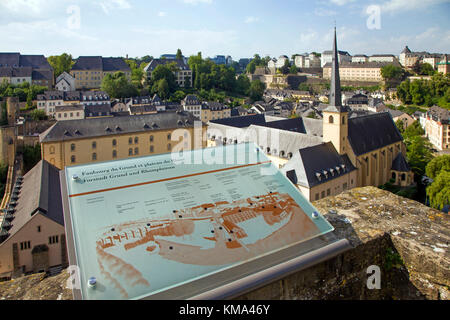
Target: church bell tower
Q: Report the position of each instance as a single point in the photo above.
(335, 117)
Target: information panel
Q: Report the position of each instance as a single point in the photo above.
(144, 225)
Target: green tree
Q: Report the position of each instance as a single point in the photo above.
(179, 54)
(37, 115)
(286, 67)
(426, 69)
(437, 165)
(400, 126)
(418, 153)
(243, 84)
(178, 96)
(293, 69)
(163, 88)
(256, 90)
(304, 87)
(391, 72)
(251, 67)
(439, 190)
(118, 86)
(60, 64)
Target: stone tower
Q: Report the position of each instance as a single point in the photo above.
(335, 117)
(12, 109)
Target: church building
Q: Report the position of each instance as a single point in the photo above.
(357, 152)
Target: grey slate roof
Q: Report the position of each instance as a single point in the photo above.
(280, 141)
(42, 75)
(191, 100)
(40, 194)
(100, 63)
(394, 113)
(68, 108)
(78, 129)
(97, 110)
(242, 122)
(214, 106)
(115, 64)
(16, 72)
(9, 59)
(315, 165)
(371, 132)
(35, 61)
(88, 63)
(146, 108)
(400, 164)
(156, 62)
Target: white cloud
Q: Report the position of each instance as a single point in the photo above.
(321, 12)
(341, 2)
(405, 5)
(251, 19)
(109, 5)
(162, 14)
(195, 2)
(26, 6)
(207, 41)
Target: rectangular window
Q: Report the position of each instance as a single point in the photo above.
(328, 192)
(317, 196)
(53, 239)
(25, 245)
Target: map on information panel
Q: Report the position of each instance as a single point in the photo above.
(141, 226)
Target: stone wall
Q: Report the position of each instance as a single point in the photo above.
(407, 240)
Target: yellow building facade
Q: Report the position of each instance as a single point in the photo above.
(65, 151)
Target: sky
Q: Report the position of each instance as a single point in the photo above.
(239, 28)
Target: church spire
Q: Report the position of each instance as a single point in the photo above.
(335, 87)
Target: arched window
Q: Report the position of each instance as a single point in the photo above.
(403, 177)
(114, 154)
(136, 151)
(130, 152)
(152, 149)
(114, 142)
(136, 140)
(94, 156)
(72, 147)
(151, 138)
(94, 145)
(130, 140)
(331, 119)
(72, 159)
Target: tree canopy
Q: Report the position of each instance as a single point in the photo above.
(60, 64)
(439, 190)
(256, 90)
(426, 92)
(437, 165)
(391, 72)
(118, 86)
